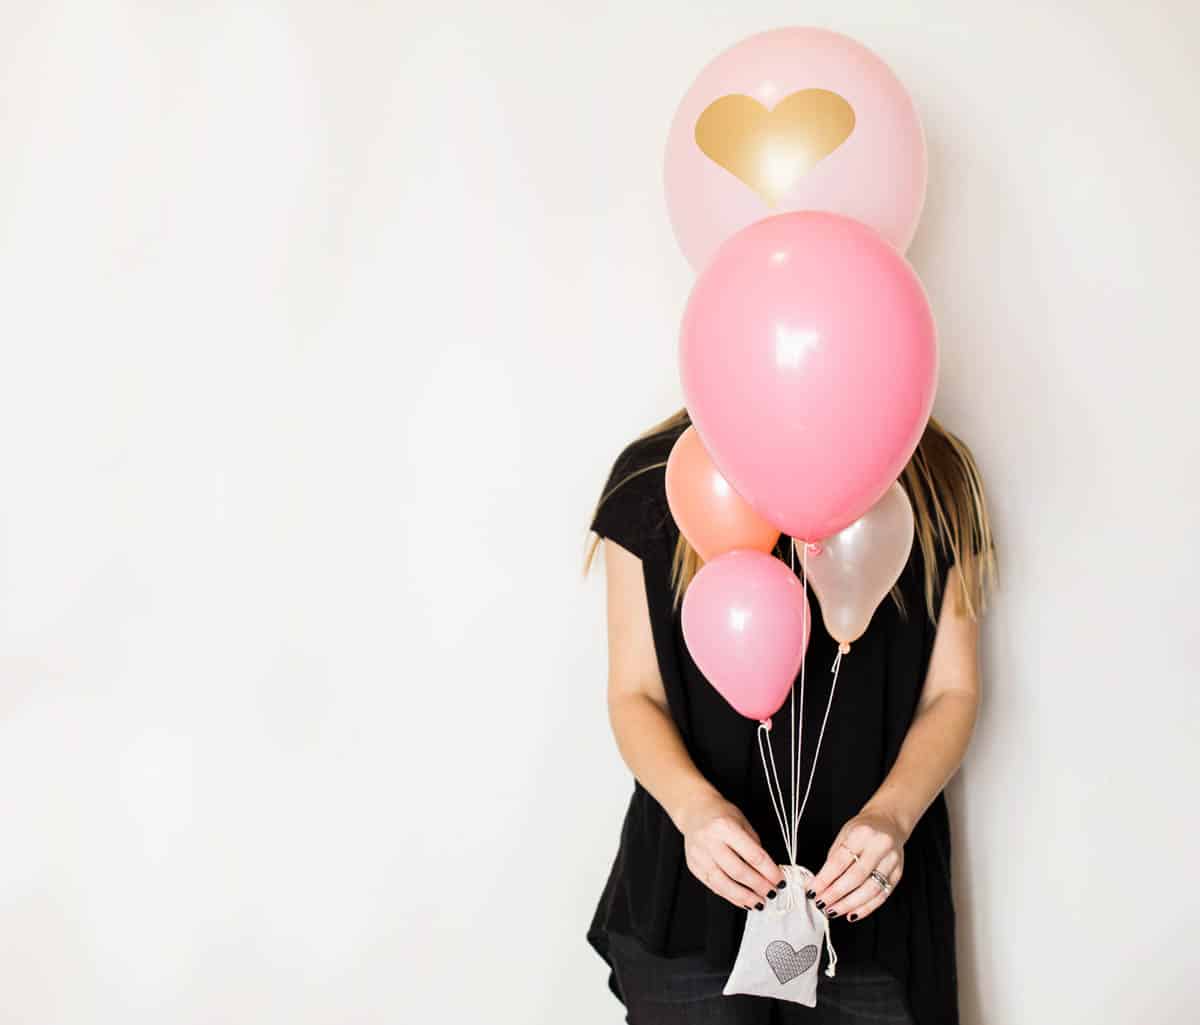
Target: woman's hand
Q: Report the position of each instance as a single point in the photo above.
(844, 886)
(726, 855)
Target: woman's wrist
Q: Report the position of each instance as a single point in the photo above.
(695, 798)
(887, 807)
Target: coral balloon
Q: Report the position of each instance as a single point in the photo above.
(808, 358)
(712, 516)
(794, 119)
(853, 571)
(746, 622)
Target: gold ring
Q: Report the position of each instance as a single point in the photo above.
(852, 854)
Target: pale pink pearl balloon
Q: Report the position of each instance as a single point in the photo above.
(852, 572)
(809, 361)
(877, 175)
(746, 622)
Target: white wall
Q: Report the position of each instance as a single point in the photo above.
(321, 324)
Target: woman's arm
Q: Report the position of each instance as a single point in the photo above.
(931, 753)
(722, 849)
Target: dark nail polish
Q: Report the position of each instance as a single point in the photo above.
(770, 895)
(831, 914)
(820, 903)
(747, 907)
(810, 894)
(759, 906)
(853, 917)
(781, 885)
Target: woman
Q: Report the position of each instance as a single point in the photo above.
(700, 848)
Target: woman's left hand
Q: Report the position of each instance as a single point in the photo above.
(844, 886)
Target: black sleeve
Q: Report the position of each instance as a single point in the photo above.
(632, 508)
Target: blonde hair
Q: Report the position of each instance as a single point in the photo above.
(950, 511)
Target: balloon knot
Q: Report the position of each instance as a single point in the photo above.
(765, 723)
(844, 648)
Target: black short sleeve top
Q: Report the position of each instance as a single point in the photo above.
(651, 895)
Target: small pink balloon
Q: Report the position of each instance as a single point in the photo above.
(809, 360)
(794, 119)
(853, 571)
(746, 622)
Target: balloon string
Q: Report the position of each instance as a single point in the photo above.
(798, 749)
(776, 792)
(837, 664)
(779, 801)
(793, 779)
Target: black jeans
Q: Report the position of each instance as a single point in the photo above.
(684, 991)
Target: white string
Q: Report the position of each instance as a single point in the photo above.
(798, 750)
(777, 802)
(766, 751)
(837, 664)
(831, 968)
(793, 756)
(793, 896)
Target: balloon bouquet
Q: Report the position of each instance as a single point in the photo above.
(795, 176)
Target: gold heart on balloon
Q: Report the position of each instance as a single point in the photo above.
(770, 150)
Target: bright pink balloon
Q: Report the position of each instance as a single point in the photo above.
(746, 622)
(809, 362)
(794, 119)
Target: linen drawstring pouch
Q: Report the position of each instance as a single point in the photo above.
(781, 947)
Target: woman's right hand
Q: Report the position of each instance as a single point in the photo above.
(726, 855)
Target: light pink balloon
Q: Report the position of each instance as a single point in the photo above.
(746, 622)
(877, 175)
(853, 571)
(809, 361)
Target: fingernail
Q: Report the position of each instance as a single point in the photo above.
(831, 914)
(781, 885)
(747, 907)
(810, 894)
(770, 895)
(759, 906)
(853, 916)
(820, 903)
